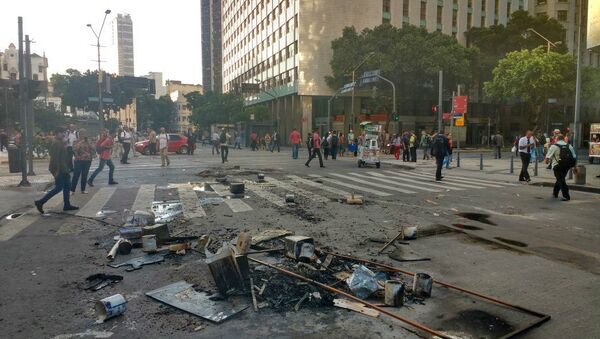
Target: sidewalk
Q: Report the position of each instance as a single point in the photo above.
(500, 169)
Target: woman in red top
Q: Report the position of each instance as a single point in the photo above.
(104, 147)
(82, 153)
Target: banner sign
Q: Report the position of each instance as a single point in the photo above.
(593, 24)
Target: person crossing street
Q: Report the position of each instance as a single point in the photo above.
(525, 144)
(440, 148)
(295, 141)
(163, 148)
(104, 147)
(316, 149)
(125, 140)
(562, 157)
(59, 167)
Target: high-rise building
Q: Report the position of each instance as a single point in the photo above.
(177, 91)
(123, 43)
(159, 85)
(211, 45)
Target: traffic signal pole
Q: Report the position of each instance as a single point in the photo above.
(440, 98)
(29, 104)
(22, 108)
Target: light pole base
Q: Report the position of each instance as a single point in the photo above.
(24, 183)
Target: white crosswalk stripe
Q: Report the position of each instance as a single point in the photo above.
(297, 190)
(265, 194)
(387, 179)
(449, 179)
(353, 186)
(430, 178)
(236, 205)
(190, 202)
(144, 198)
(326, 188)
(356, 178)
(98, 200)
(14, 227)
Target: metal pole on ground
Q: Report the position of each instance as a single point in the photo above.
(481, 161)
(458, 159)
(30, 123)
(22, 108)
(535, 167)
(512, 164)
(440, 98)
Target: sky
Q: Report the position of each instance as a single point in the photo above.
(166, 34)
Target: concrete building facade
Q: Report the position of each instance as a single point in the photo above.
(123, 44)
(177, 91)
(211, 45)
(159, 86)
(9, 65)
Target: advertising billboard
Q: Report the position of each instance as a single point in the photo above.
(593, 24)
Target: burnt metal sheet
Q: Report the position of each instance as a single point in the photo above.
(166, 211)
(182, 295)
(137, 263)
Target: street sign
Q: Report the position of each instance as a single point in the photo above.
(347, 87)
(105, 100)
(552, 100)
(321, 121)
(370, 77)
(459, 104)
(460, 122)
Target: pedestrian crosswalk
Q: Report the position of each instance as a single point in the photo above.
(318, 189)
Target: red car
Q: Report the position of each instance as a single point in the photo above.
(176, 143)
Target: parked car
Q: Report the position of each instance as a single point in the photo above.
(176, 143)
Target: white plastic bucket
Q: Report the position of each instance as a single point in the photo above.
(110, 307)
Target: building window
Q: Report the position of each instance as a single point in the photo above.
(508, 8)
(423, 11)
(497, 6)
(35, 77)
(562, 15)
(405, 9)
(541, 2)
(470, 4)
(483, 5)
(5, 67)
(387, 6)
(482, 22)
(40, 68)
(439, 14)
(454, 18)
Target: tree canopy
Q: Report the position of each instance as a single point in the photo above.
(409, 56)
(154, 113)
(534, 76)
(212, 108)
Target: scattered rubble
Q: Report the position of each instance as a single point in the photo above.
(98, 281)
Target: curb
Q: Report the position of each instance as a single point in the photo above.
(579, 188)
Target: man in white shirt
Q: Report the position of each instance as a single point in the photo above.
(562, 157)
(526, 144)
(125, 139)
(215, 142)
(70, 138)
(163, 143)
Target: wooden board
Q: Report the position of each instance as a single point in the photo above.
(356, 307)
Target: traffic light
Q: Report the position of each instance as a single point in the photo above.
(395, 116)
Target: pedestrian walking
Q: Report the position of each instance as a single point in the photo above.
(191, 141)
(163, 148)
(237, 140)
(333, 146)
(59, 168)
(351, 142)
(342, 141)
(125, 140)
(325, 145)
(448, 158)
(425, 144)
(104, 148)
(152, 141)
(397, 145)
(405, 148)
(215, 142)
(71, 136)
(223, 141)
(498, 144)
(316, 149)
(440, 147)
(295, 140)
(3, 140)
(309, 143)
(83, 152)
(275, 142)
(562, 157)
(525, 146)
(254, 141)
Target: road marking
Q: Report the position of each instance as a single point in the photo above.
(444, 184)
(261, 192)
(366, 182)
(452, 181)
(190, 203)
(97, 202)
(319, 186)
(300, 191)
(358, 188)
(144, 198)
(236, 205)
(383, 178)
(9, 229)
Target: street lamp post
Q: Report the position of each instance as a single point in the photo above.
(548, 42)
(354, 84)
(97, 35)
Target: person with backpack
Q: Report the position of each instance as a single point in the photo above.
(325, 145)
(333, 146)
(562, 157)
(309, 144)
(224, 142)
(440, 148)
(405, 146)
(316, 148)
(425, 144)
(104, 147)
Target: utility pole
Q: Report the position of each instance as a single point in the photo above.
(580, 42)
(30, 122)
(22, 108)
(440, 98)
(100, 103)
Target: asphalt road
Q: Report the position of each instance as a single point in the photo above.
(483, 232)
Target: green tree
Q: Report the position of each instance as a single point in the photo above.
(154, 113)
(211, 108)
(534, 76)
(260, 112)
(409, 56)
(47, 118)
